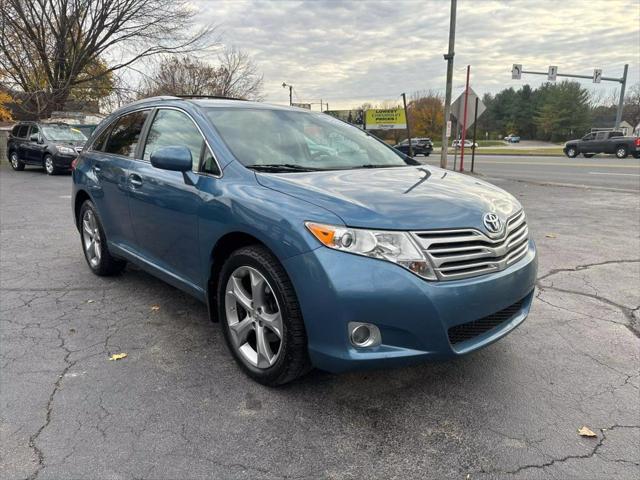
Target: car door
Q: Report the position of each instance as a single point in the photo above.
(164, 204)
(22, 141)
(111, 157)
(600, 142)
(588, 143)
(33, 148)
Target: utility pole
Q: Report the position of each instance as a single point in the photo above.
(447, 97)
(320, 105)
(406, 116)
(285, 85)
(464, 118)
(517, 71)
(473, 146)
(623, 81)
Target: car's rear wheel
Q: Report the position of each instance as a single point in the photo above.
(94, 243)
(261, 317)
(15, 162)
(572, 152)
(621, 151)
(49, 167)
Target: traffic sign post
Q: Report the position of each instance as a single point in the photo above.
(597, 77)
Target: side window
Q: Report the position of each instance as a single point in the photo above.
(209, 164)
(14, 131)
(22, 131)
(98, 143)
(126, 133)
(601, 135)
(34, 130)
(174, 128)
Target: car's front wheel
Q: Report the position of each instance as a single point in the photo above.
(572, 152)
(49, 167)
(261, 317)
(15, 162)
(94, 243)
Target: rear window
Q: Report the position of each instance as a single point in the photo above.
(126, 134)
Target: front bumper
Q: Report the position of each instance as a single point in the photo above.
(63, 161)
(413, 315)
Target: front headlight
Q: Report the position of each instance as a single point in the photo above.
(65, 150)
(396, 247)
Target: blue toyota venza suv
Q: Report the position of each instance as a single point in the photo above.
(311, 242)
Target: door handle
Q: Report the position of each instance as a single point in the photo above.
(135, 180)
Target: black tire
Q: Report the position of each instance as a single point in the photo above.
(571, 151)
(293, 358)
(588, 155)
(426, 154)
(636, 155)
(107, 265)
(49, 166)
(621, 151)
(15, 162)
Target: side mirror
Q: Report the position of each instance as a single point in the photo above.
(177, 159)
(34, 138)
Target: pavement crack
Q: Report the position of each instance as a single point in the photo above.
(626, 311)
(554, 461)
(49, 409)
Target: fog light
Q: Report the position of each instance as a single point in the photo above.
(363, 335)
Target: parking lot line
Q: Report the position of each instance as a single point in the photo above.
(611, 173)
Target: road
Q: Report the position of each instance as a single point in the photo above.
(178, 407)
(599, 171)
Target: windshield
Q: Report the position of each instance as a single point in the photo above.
(63, 133)
(298, 140)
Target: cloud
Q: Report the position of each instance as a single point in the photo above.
(350, 52)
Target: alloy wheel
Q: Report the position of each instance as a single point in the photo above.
(621, 153)
(254, 317)
(48, 165)
(14, 160)
(91, 238)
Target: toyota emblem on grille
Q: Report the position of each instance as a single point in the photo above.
(492, 222)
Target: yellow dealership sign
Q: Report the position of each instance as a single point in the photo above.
(390, 119)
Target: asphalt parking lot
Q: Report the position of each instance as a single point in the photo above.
(178, 407)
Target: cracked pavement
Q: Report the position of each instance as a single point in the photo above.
(178, 407)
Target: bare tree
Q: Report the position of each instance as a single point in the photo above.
(235, 76)
(238, 75)
(46, 46)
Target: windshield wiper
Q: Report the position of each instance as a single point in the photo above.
(282, 167)
(370, 165)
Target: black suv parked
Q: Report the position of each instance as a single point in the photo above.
(421, 146)
(50, 145)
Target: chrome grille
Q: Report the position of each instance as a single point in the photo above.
(464, 253)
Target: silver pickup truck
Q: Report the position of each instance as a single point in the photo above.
(612, 142)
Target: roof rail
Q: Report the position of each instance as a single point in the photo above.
(214, 97)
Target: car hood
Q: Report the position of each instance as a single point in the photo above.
(403, 198)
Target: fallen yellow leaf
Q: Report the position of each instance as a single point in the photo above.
(90, 301)
(550, 235)
(155, 308)
(587, 432)
(118, 356)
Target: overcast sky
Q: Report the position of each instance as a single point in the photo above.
(349, 52)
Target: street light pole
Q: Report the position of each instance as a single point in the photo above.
(447, 97)
(285, 85)
(406, 117)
